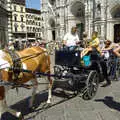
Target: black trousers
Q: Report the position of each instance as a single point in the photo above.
(101, 67)
(99, 64)
(104, 70)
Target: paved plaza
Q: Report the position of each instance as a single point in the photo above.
(104, 106)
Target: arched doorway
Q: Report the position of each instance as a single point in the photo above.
(52, 25)
(117, 33)
(78, 11)
(116, 16)
(52, 2)
(80, 29)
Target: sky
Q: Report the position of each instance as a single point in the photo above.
(33, 4)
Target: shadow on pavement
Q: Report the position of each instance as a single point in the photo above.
(23, 107)
(40, 106)
(109, 101)
(47, 106)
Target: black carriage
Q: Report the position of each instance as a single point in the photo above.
(73, 75)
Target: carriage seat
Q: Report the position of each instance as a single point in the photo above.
(67, 58)
(73, 58)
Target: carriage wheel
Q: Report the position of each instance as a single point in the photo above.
(58, 72)
(92, 84)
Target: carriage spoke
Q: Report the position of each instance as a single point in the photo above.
(92, 86)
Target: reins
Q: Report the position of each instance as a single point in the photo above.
(25, 57)
(30, 56)
(14, 84)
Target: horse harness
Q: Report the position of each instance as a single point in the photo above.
(16, 64)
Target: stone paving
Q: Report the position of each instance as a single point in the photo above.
(104, 106)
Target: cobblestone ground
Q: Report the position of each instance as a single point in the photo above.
(105, 105)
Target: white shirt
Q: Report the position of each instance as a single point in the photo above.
(71, 39)
(106, 54)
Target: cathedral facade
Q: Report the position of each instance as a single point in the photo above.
(103, 16)
(59, 16)
(3, 23)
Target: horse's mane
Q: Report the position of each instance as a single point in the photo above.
(4, 54)
(35, 47)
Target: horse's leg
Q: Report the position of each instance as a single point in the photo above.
(35, 86)
(49, 90)
(49, 94)
(2, 101)
(3, 105)
(13, 112)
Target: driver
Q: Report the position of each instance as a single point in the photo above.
(71, 39)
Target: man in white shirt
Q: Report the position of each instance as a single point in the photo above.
(71, 39)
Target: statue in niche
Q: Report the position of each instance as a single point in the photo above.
(98, 9)
(52, 2)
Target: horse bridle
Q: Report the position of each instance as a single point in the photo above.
(14, 83)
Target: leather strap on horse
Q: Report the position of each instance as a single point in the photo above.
(16, 64)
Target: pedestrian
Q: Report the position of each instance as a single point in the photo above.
(108, 45)
(85, 40)
(117, 51)
(71, 39)
(11, 45)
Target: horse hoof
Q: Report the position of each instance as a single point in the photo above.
(47, 105)
(49, 101)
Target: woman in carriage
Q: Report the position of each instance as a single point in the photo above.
(94, 50)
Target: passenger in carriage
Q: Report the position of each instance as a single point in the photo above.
(94, 49)
(71, 39)
(95, 42)
(92, 45)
